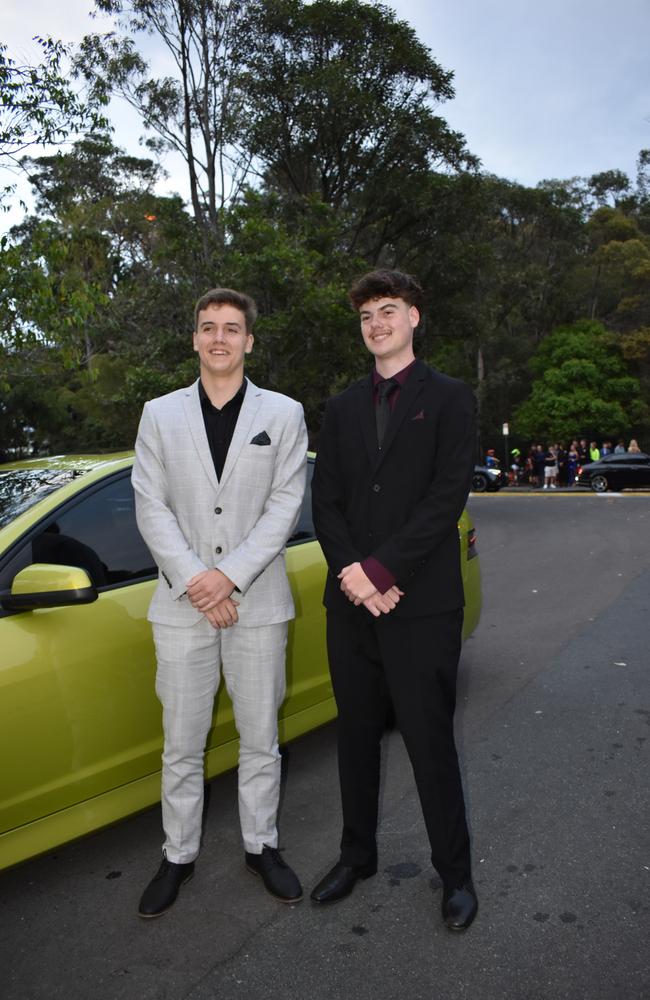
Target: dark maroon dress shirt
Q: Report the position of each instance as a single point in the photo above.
(378, 575)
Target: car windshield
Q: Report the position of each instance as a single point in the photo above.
(20, 489)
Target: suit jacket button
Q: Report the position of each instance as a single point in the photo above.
(217, 510)
(218, 550)
(376, 487)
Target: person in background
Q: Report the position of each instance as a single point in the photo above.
(540, 464)
(633, 447)
(606, 449)
(529, 468)
(550, 467)
(583, 451)
(594, 452)
(561, 453)
(573, 460)
(620, 448)
(515, 466)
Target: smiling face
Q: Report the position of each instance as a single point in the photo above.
(221, 341)
(387, 326)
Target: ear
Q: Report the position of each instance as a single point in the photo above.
(414, 316)
(194, 336)
(250, 340)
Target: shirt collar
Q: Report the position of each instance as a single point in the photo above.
(206, 401)
(400, 377)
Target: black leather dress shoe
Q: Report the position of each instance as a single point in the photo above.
(280, 880)
(459, 907)
(162, 891)
(340, 881)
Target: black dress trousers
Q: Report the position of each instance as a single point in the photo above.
(413, 663)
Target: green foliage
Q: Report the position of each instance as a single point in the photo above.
(38, 105)
(341, 97)
(582, 387)
(200, 112)
(330, 110)
(307, 338)
(99, 285)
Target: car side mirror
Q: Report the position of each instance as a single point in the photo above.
(45, 585)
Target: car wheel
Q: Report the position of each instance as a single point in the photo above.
(599, 484)
(479, 483)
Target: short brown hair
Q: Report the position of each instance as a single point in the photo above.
(386, 284)
(228, 297)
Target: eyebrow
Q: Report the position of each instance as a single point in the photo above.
(366, 312)
(235, 324)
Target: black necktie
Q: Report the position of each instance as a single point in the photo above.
(382, 409)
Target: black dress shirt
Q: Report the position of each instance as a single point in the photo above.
(220, 424)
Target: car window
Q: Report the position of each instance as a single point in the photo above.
(305, 528)
(20, 489)
(97, 532)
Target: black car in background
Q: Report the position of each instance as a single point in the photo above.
(616, 472)
(488, 479)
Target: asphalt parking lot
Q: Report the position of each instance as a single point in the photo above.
(554, 710)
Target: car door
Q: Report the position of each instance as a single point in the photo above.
(641, 466)
(79, 712)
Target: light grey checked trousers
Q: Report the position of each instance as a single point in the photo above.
(190, 661)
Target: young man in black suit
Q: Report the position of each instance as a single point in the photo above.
(393, 470)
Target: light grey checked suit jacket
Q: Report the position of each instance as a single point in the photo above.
(240, 524)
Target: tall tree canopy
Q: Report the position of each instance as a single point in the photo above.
(316, 148)
(198, 109)
(343, 99)
(582, 387)
(38, 105)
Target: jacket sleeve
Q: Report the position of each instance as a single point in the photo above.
(437, 513)
(328, 498)
(281, 508)
(155, 517)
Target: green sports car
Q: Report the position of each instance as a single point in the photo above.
(80, 724)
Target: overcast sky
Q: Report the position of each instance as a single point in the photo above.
(543, 90)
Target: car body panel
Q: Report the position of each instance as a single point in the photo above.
(488, 479)
(621, 472)
(80, 721)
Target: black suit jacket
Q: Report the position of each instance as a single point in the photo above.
(400, 504)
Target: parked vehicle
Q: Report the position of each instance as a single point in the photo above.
(616, 472)
(80, 724)
(488, 479)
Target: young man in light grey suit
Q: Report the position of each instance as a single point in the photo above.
(219, 478)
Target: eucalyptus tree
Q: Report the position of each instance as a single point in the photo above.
(39, 106)
(196, 108)
(344, 107)
(96, 287)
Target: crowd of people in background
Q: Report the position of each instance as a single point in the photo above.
(550, 466)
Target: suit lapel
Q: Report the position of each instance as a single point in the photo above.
(409, 393)
(249, 407)
(194, 415)
(366, 416)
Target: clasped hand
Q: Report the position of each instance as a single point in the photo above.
(209, 592)
(359, 589)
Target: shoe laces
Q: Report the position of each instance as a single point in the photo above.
(165, 866)
(273, 853)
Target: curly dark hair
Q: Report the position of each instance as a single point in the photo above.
(388, 284)
(228, 297)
